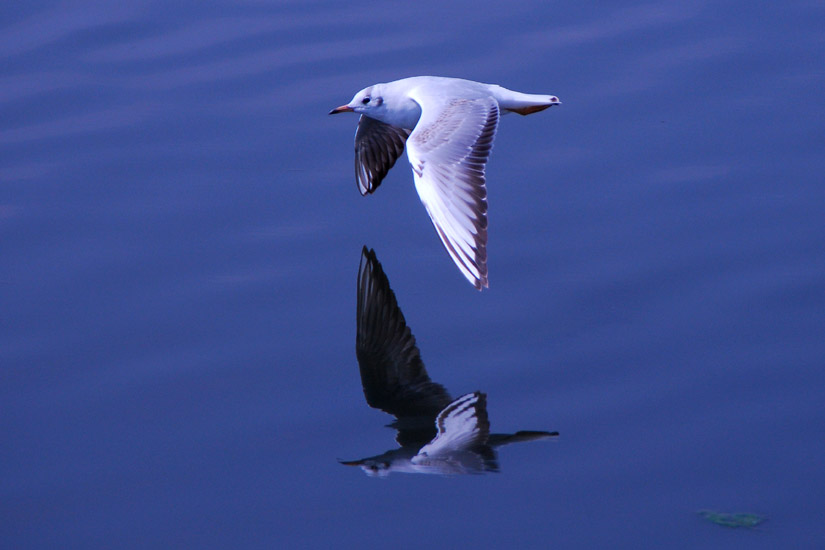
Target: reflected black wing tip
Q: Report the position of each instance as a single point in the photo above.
(368, 254)
(368, 260)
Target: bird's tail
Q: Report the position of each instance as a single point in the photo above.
(525, 104)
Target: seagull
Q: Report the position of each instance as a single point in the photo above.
(436, 433)
(448, 126)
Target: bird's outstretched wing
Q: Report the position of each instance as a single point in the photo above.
(392, 373)
(377, 147)
(462, 425)
(448, 151)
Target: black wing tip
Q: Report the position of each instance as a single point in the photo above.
(481, 282)
(368, 259)
(368, 254)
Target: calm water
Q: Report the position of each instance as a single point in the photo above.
(181, 234)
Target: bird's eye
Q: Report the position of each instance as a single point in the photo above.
(365, 100)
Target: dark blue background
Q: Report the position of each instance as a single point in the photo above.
(181, 234)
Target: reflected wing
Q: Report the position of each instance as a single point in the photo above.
(448, 151)
(392, 373)
(377, 147)
(462, 425)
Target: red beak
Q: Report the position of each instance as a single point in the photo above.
(341, 109)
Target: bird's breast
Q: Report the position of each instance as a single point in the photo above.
(403, 114)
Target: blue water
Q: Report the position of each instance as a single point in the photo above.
(181, 233)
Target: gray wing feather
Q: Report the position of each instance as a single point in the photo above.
(377, 147)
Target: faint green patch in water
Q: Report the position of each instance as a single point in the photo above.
(748, 521)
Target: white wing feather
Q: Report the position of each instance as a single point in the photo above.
(462, 425)
(448, 151)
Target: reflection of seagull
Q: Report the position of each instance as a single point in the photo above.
(448, 126)
(437, 434)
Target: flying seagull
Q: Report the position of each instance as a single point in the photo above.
(448, 126)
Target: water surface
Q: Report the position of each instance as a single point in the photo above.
(181, 235)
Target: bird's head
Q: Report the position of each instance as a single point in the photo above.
(373, 467)
(368, 101)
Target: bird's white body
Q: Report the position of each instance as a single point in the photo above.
(450, 123)
(399, 108)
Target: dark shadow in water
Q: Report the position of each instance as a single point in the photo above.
(437, 434)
